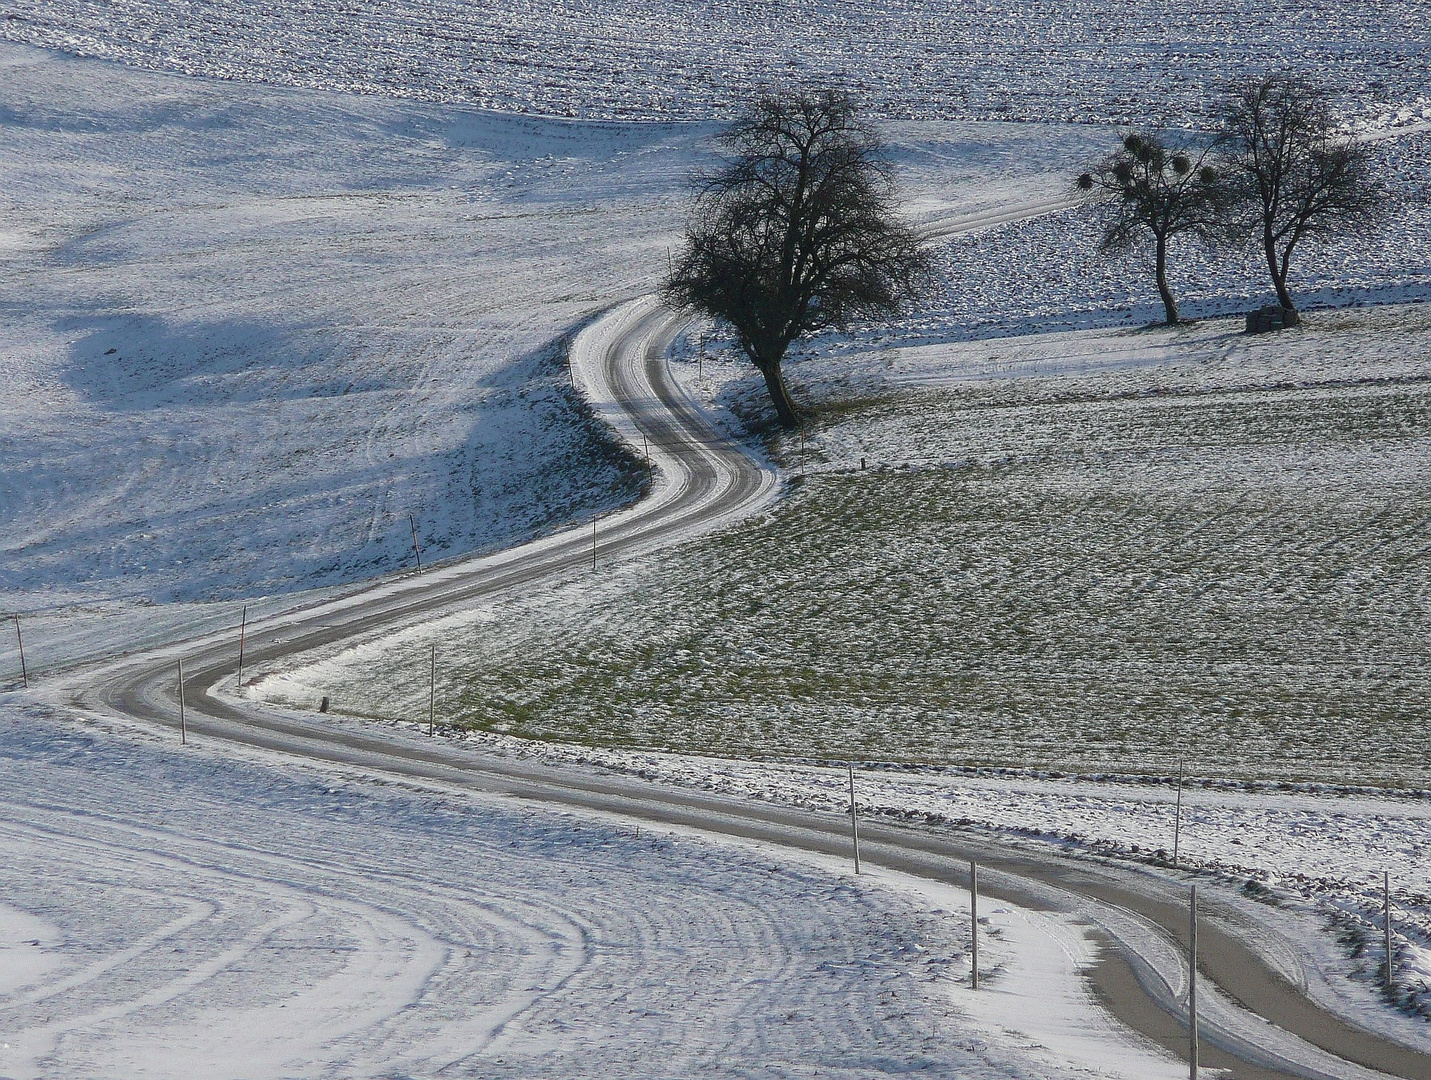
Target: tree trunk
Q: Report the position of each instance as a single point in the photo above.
(1279, 274)
(775, 383)
(1170, 306)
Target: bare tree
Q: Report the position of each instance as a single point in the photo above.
(796, 232)
(1152, 189)
(1300, 176)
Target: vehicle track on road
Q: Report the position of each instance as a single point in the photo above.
(704, 480)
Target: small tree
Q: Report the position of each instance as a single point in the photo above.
(796, 232)
(1151, 189)
(1299, 176)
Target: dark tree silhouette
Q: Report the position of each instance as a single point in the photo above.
(1299, 175)
(1150, 189)
(796, 232)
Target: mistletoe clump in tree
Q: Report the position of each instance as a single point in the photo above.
(1149, 190)
(796, 232)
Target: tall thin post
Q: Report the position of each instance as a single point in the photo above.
(432, 693)
(415, 549)
(593, 543)
(20, 641)
(243, 627)
(646, 446)
(1178, 815)
(1192, 985)
(974, 923)
(1386, 915)
(183, 726)
(854, 821)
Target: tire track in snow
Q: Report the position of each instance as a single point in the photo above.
(703, 482)
(338, 1006)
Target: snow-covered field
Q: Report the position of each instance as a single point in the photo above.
(1096, 61)
(1101, 552)
(171, 913)
(1047, 274)
(1315, 854)
(248, 335)
(249, 330)
(252, 330)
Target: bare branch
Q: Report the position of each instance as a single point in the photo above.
(1298, 175)
(1152, 189)
(796, 232)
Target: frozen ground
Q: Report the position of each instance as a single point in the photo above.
(248, 335)
(1308, 857)
(169, 913)
(1099, 552)
(1097, 61)
(253, 330)
(249, 330)
(1046, 273)
(289, 276)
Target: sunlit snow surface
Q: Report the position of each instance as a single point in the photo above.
(247, 335)
(167, 913)
(1050, 61)
(1093, 551)
(1101, 552)
(327, 313)
(250, 331)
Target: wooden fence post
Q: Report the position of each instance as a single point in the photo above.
(183, 727)
(1192, 985)
(974, 921)
(20, 641)
(1178, 816)
(854, 821)
(1386, 914)
(243, 627)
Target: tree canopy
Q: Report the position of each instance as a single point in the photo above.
(796, 231)
(1300, 175)
(1156, 191)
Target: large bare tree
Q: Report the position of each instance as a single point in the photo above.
(796, 231)
(1301, 175)
(1153, 190)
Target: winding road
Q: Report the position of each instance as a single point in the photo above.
(1260, 1025)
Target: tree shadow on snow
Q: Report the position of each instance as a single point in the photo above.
(141, 361)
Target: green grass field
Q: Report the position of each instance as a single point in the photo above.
(1091, 573)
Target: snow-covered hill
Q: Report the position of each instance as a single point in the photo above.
(1049, 61)
(167, 913)
(247, 334)
(250, 330)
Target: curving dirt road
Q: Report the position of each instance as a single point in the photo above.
(704, 480)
